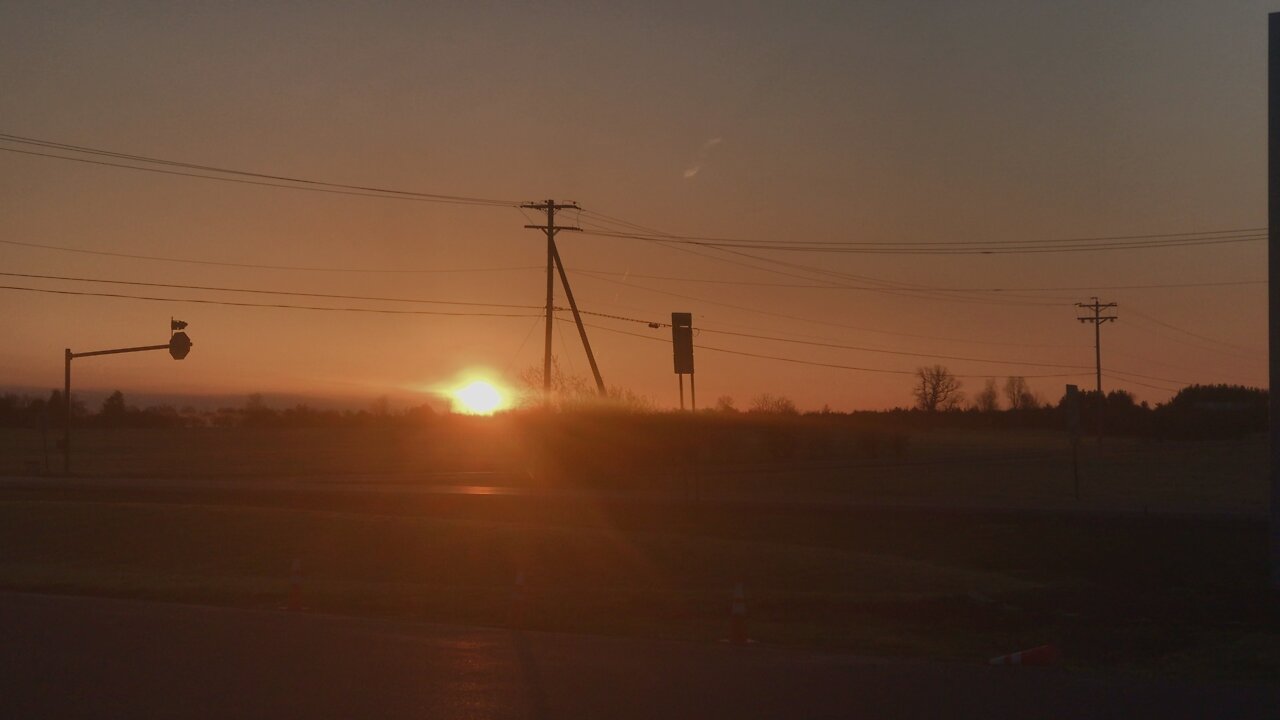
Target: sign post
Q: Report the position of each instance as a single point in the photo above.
(682, 345)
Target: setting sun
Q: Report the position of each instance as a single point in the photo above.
(478, 398)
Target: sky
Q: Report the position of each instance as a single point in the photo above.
(888, 122)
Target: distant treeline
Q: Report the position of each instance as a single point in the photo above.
(1196, 412)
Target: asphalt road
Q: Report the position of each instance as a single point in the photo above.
(84, 657)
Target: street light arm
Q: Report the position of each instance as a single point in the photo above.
(119, 350)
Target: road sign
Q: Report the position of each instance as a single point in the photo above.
(682, 342)
(179, 345)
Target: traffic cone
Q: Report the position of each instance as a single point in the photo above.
(738, 617)
(294, 603)
(515, 614)
(1040, 655)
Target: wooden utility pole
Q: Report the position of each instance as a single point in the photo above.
(1097, 319)
(554, 264)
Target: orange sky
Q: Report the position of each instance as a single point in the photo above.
(897, 122)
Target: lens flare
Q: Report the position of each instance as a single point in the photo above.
(478, 398)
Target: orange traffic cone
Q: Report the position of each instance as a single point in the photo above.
(515, 615)
(1040, 655)
(738, 617)
(294, 603)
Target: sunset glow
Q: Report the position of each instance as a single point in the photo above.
(478, 398)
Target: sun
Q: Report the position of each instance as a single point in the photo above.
(478, 398)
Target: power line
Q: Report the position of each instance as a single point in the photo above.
(275, 180)
(829, 286)
(267, 292)
(284, 306)
(956, 248)
(838, 346)
(1109, 373)
(261, 266)
(281, 306)
(1206, 338)
(799, 361)
(940, 243)
(1124, 373)
(1180, 368)
(651, 233)
(1139, 325)
(827, 322)
(890, 287)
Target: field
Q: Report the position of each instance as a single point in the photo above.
(1017, 468)
(964, 546)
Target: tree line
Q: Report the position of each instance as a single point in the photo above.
(1196, 411)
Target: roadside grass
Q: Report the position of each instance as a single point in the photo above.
(1022, 468)
(580, 579)
(1142, 596)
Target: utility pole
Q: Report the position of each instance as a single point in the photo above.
(553, 264)
(1097, 319)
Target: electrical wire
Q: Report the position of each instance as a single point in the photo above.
(956, 248)
(799, 361)
(942, 243)
(829, 286)
(330, 296)
(263, 266)
(838, 346)
(282, 306)
(274, 180)
(1148, 318)
(828, 323)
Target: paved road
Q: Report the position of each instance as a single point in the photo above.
(83, 657)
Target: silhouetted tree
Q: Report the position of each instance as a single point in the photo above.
(989, 399)
(1019, 395)
(113, 410)
(775, 404)
(724, 404)
(565, 387)
(1213, 411)
(937, 389)
(256, 413)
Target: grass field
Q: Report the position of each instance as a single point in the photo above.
(1019, 467)
(1153, 595)
(1150, 593)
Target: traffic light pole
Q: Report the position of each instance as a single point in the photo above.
(178, 346)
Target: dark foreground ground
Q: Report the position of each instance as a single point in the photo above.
(85, 657)
(1159, 595)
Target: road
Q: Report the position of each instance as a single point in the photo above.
(69, 657)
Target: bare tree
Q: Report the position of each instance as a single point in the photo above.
(937, 389)
(989, 399)
(777, 404)
(724, 404)
(1019, 395)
